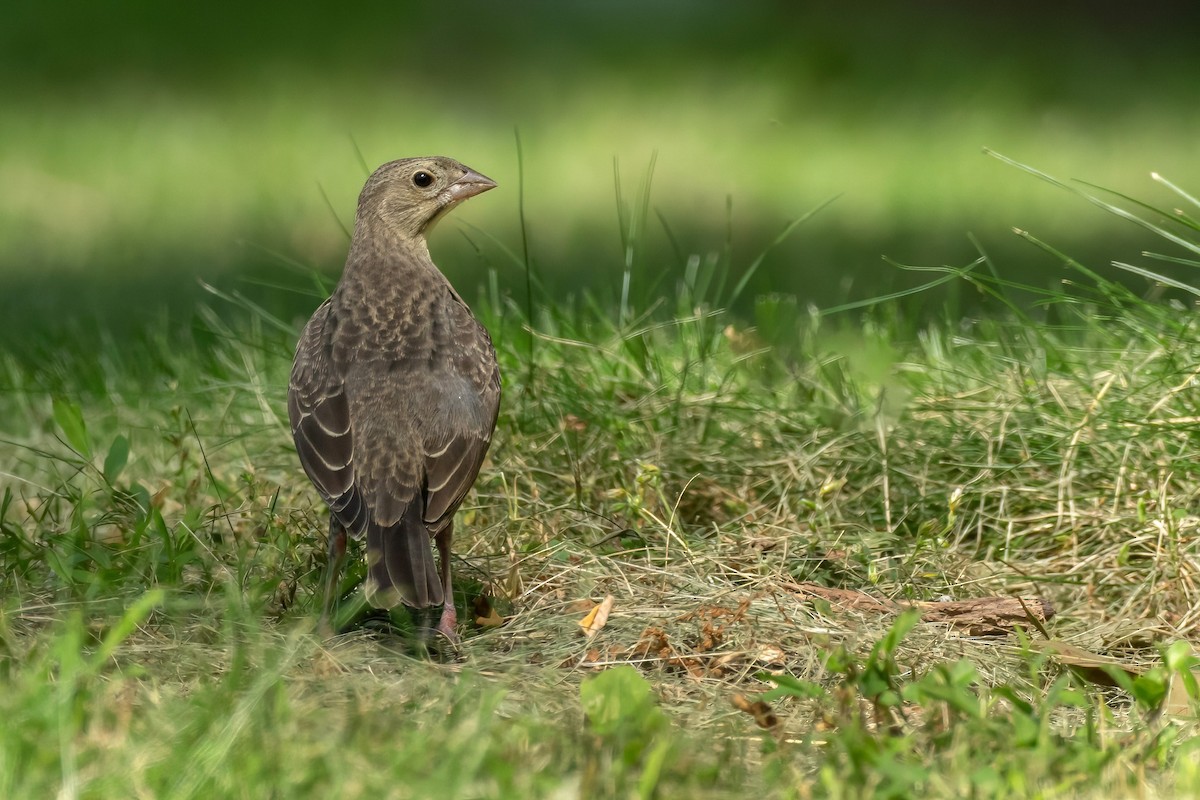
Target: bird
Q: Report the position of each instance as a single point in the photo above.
(394, 393)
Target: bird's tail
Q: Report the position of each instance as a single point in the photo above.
(400, 566)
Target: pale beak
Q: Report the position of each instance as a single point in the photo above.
(469, 185)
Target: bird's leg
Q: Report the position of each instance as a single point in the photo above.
(333, 570)
(449, 618)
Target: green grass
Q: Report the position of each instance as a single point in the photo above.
(160, 556)
(83, 190)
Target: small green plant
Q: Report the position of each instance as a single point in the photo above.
(633, 737)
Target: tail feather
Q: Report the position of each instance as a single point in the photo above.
(400, 565)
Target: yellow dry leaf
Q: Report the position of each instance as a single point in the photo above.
(596, 618)
(492, 620)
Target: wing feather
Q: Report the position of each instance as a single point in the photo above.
(320, 423)
(454, 455)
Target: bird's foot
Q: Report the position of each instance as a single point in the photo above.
(446, 625)
(440, 640)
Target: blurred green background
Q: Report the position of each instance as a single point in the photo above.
(145, 145)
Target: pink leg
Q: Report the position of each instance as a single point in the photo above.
(449, 618)
(333, 569)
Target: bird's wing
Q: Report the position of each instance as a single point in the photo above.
(454, 453)
(320, 422)
(450, 470)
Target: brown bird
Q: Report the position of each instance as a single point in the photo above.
(395, 390)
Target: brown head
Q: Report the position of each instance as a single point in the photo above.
(411, 194)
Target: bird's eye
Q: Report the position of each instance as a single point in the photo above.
(422, 179)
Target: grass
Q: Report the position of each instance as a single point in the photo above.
(160, 556)
(82, 191)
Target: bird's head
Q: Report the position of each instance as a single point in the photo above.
(411, 194)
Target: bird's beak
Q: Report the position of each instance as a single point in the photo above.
(469, 185)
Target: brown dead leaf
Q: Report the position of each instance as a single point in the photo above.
(652, 643)
(764, 544)
(770, 656)
(764, 715)
(979, 616)
(596, 618)
(572, 661)
(711, 637)
(485, 614)
(1087, 665)
(159, 499)
(1090, 667)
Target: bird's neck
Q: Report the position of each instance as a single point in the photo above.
(392, 284)
(380, 256)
